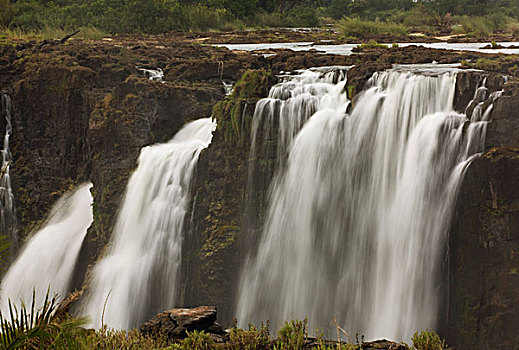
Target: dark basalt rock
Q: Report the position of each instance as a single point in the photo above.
(483, 276)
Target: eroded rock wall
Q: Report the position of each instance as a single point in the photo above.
(483, 307)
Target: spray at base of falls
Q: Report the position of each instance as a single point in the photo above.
(357, 220)
(138, 276)
(47, 260)
(8, 220)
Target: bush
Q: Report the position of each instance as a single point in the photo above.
(513, 28)
(428, 340)
(483, 25)
(251, 339)
(372, 44)
(196, 341)
(356, 27)
(302, 16)
(203, 18)
(338, 9)
(292, 335)
(6, 13)
(419, 17)
(265, 19)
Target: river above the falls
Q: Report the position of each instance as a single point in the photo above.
(347, 49)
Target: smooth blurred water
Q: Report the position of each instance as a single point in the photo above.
(138, 276)
(8, 221)
(47, 260)
(347, 49)
(357, 219)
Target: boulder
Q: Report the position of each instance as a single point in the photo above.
(175, 323)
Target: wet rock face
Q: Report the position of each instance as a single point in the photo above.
(484, 261)
(483, 301)
(504, 128)
(49, 139)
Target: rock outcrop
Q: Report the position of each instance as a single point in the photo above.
(176, 323)
(483, 307)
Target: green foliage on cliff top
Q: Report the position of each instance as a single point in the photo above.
(508, 64)
(234, 114)
(254, 83)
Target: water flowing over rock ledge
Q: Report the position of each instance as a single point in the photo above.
(82, 111)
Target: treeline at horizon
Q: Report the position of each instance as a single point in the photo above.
(477, 17)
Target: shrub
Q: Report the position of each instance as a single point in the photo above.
(372, 44)
(113, 339)
(6, 13)
(302, 16)
(196, 341)
(251, 339)
(265, 19)
(338, 9)
(356, 27)
(513, 28)
(292, 335)
(203, 18)
(483, 25)
(418, 17)
(428, 340)
(488, 65)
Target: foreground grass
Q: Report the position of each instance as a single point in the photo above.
(51, 327)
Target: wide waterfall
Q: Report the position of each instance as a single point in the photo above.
(137, 278)
(7, 208)
(47, 261)
(357, 219)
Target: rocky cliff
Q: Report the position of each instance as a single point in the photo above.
(82, 111)
(483, 275)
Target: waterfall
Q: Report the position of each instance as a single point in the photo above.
(290, 103)
(137, 277)
(7, 209)
(357, 219)
(277, 120)
(47, 260)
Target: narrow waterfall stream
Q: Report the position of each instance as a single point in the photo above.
(47, 260)
(7, 208)
(138, 276)
(357, 219)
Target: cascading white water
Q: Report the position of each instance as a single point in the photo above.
(357, 220)
(291, 102)
(137, 278)
(47, 260)
(7, 208)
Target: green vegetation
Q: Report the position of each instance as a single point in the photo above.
(195, 340)
(51, 327)
(233, 119)
(251, 339)
(508, 64)
(292, 335)
(360, 18)
(428, 340)
(356, 27)
(372, 44)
